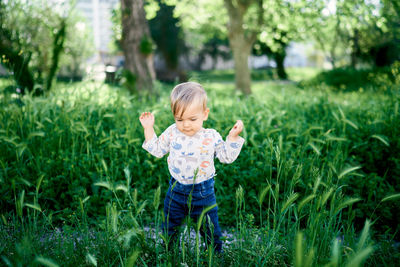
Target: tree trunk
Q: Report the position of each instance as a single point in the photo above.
(332, 57)
(58, 47)
(137, 44)
(355, 48)
(240, 44)
(280, 67)
(241, 52)
(16, 61)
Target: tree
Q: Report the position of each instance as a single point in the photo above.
(241, 40)
(205, 30)
(282, 24)
(356, 19)
(244, 20)
(386, 50)
(324, 28)
(10, 47)
(32, 41)
(357, 31)
(58, 46)
(79, 46)
(137, 45)
(216, 47)
(239, 20)
(168, 36)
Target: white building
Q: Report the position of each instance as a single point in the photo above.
(98, 14)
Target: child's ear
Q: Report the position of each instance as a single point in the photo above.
(206, 113)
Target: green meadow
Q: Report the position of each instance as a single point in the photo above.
(316, 183)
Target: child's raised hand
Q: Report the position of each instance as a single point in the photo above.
(147, 119)
(236, 130)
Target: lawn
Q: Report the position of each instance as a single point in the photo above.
(316, 183)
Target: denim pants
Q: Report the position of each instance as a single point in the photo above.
(177, 207)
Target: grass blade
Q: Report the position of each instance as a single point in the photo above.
(127, 176)
(46, 262)
(298, 261)
(391, 197)
(156, 200)
(33, 206)
(315, 148)
(104, 184)
(381, 138)
(346, 203)
(335, 254)
(364, 236)
(133, 258)
(352, 124)
(289, 201)
(347, 171)
(121, 187)
(304, 202)
(36, 134)
(360, 257)
(91, 259)
(262, 194)
(200, 221)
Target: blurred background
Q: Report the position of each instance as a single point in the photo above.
(168, 40)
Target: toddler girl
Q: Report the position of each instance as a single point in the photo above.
(191, 149)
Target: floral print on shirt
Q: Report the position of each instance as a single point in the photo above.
(190, 153)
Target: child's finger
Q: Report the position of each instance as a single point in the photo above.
(145, 114)
(238, 124)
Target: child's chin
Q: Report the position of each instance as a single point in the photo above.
(189, 133)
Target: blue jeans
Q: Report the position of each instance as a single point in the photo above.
(177, 207)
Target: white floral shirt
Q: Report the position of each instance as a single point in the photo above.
(190, 153)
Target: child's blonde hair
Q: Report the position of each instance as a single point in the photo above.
(186, 94)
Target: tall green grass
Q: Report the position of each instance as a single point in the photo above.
(316, 167)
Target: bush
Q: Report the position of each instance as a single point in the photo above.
(349, 79)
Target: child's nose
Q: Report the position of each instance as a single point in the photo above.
(185, 123)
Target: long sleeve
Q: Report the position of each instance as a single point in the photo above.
(158, 146)
(227, 151)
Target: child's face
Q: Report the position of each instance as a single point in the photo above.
(192, 119)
